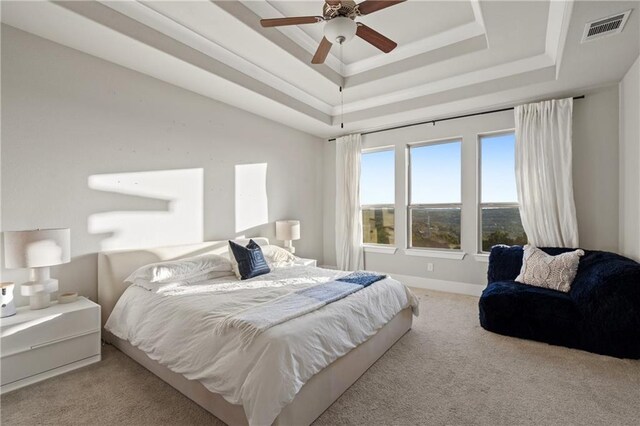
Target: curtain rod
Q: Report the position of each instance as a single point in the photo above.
(442, 119)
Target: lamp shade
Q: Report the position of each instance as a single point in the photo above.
(37, 248)
(287, 230)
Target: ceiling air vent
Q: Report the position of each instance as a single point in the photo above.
(605, 27)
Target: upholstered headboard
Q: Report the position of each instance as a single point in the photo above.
(115, 266)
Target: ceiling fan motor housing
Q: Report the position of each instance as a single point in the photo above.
(344, 8)
(340, 30)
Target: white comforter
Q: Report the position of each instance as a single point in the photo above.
(174, 327)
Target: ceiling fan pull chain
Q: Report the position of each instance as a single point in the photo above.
(341, 89)
(341, 108)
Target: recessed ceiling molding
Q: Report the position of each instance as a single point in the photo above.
(479, 18)
(250, 20)
(541, 75)
(559, 17)
(446, 38)
(62, 25)
(145, 14)
(378, 75)
(467, 79)
(219, 50)
(557, 30)
(480, 102)
(122, 24)
(263, 9)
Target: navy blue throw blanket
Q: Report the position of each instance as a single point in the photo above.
(363, 278)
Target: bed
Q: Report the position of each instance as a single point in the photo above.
(144, 326)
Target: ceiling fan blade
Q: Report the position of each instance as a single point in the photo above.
(375, 38)
(322, 52)
(298, 20)
(370, 6)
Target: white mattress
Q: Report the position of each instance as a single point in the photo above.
(175, 328)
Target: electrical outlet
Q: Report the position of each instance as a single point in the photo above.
(429, 267)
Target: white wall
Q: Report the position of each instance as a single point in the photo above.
(125, 160)
(595, 157)
(630, 162)
(595, 168)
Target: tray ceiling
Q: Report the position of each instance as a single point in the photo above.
(452, 56)
(435, 17)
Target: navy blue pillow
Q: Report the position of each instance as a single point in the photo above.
(250, 260)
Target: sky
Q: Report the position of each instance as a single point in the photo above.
(377, 180)
(498, 169)
(436, 173)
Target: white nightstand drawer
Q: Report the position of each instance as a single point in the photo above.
(49, 356)
(29, 328)
(38, 344)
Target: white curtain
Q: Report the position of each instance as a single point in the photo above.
(348, 219)
(543, 173)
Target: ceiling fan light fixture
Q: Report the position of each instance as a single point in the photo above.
(340, 29)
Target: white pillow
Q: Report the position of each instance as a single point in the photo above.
(170, 284)
(189, 269)
(275, 256)
(543, 270)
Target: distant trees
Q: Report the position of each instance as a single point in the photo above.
(440, 227)
(381, 230)
(378, 225)
(500, 236)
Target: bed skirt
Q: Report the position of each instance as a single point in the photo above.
(313, 398)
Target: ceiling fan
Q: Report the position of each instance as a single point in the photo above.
(341, 26)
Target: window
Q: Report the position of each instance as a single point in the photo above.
(435, 198)
(377, 196)
(499, 215)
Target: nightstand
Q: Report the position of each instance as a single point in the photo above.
(38, 344)
(307, 262)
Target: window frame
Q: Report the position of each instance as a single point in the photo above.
(380, 206)
(480, 204)
(410, 206)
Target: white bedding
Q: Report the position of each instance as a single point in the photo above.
(175, 326)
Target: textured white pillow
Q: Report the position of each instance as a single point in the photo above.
(189, 269)
(543, 270)
(277, 256)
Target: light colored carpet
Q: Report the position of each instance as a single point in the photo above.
(446, 370)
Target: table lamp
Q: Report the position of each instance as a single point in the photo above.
(288, 230)
(38, 249)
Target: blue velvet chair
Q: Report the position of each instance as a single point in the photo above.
(601, 312)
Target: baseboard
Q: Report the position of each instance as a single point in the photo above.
(440, 285)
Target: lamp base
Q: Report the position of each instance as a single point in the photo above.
(38, 292)
(288, 246)
(39, 301)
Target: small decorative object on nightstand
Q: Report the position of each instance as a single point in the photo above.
(287, 231)
(69, 297)
(8, 306)
(38, 344)
(38, 249)
(307, 262)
